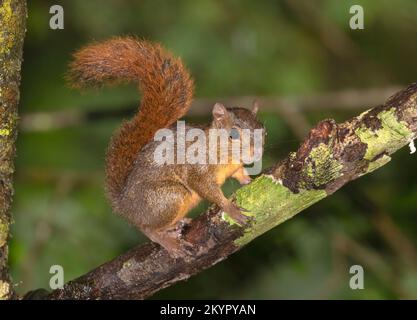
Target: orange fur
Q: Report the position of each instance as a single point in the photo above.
(225, 171)
(167, 94)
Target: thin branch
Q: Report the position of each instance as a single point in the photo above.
(331, 156)
(295, 119)
(12, 32)
(374, 261)
(286, 106)
(400, 244)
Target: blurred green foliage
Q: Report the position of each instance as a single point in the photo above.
(237, 48)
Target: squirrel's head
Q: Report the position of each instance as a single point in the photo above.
(239, 122)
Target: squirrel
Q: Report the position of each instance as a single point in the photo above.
(155, 198)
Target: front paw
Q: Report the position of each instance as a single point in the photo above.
(236, 214)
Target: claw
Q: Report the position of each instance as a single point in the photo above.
(236, 213)
(242, 220)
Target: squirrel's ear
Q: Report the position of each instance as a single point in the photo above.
(220, 115)
(255, 106)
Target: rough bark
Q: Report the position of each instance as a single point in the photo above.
(12, 32)
(332, 155)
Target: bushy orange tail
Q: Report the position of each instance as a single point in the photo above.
(167, 94)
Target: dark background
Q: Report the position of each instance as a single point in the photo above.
(232, 48)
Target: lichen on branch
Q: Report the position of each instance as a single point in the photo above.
(332, 155)
(12, 31)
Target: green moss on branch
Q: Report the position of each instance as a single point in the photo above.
(270, 204)
(12, 31)
(392, 135)
(332, 155)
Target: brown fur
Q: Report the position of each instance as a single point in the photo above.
(167, 94)
(155, 197)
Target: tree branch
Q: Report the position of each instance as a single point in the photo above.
(290, 107)
(12, 32)
(332, 155)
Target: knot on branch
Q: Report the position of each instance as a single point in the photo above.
(334, 154)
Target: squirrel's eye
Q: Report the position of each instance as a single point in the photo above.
(234, 134)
